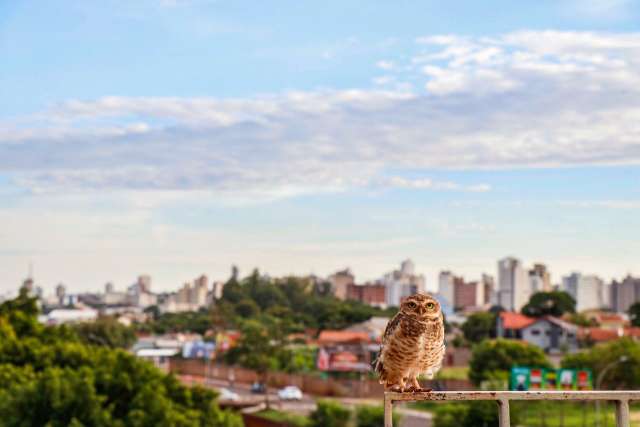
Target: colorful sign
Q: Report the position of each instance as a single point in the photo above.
(525, 378)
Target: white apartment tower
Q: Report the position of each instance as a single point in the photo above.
(589, 291)
(446, 287)
(514, 289)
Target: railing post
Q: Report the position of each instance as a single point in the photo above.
(388, 411)
(503, 415)
(622, 413)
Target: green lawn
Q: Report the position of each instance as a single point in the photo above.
(453, 373)
(554, 414)
(279, 416)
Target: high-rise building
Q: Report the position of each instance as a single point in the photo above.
(446, 287)
(217, 289)
(540, 278)
(624, 294)
(373, 294)
(468, 295)
(61, 291)
(340, 281)
(489, 289)
(587, 290)
(402, 283)
(514, 289)
(144, 282)
(198, 293)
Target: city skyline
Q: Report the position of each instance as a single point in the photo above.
(177, 137)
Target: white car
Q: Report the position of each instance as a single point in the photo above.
(290, 392)
(228, 395)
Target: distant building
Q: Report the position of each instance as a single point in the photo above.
(489, 289)
(552, 335)
(190, 297)
(340, 281)
(27, 285)
(514, 289)
(63, 315)
(446, 287)
(61, 291)
(624, 294)
(217, 290)
(373, 294)
(589, 292)
(468, 295)
(540, 278)
(549, 333)
(402, 283)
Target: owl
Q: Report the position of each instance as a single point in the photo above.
(413, 344)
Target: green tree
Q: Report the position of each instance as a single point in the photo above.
(634, 314)
(622, 356)
(49, 377)
(554, 303)
(106, 331)
(479, 326)
(330, 414)
(494, 359)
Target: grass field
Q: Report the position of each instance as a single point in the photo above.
(555, 414)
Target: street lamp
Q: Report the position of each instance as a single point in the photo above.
(601, 375)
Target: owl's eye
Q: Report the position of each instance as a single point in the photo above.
(412, 305)
(430, 305)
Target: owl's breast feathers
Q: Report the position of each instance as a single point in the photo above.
(409, 344)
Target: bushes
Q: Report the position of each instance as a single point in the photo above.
(330, 414)
(494, 359)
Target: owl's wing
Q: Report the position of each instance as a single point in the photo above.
(391, 326)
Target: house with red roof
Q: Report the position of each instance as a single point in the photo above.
(551, 334)
(344, 350)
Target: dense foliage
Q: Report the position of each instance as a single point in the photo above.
(634, 314)
(554, 303)
(50, 377)
(106, 331)
(299, 302)
(622, 357)
(330, 414)
(493, 359)
(479, 326)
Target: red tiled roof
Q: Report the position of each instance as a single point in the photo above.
(330, 336)
(511, 320)
(598, 334)
(632, 332)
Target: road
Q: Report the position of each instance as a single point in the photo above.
(254, 402)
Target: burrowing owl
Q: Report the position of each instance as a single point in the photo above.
(413, 344)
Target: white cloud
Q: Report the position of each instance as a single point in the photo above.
(524, 99)
(428, 184)
(385, 65)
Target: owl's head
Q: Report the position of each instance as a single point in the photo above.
(421, 306)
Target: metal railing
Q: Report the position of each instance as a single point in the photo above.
(620, 398)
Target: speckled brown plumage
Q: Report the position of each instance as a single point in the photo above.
(413, 344)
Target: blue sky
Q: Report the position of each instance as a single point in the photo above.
(176, 137)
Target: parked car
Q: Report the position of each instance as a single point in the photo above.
(228, 395)
(290, 392)
(258, 388)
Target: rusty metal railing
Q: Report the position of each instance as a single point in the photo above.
(620, 398)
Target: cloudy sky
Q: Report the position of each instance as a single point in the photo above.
(176, 137)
